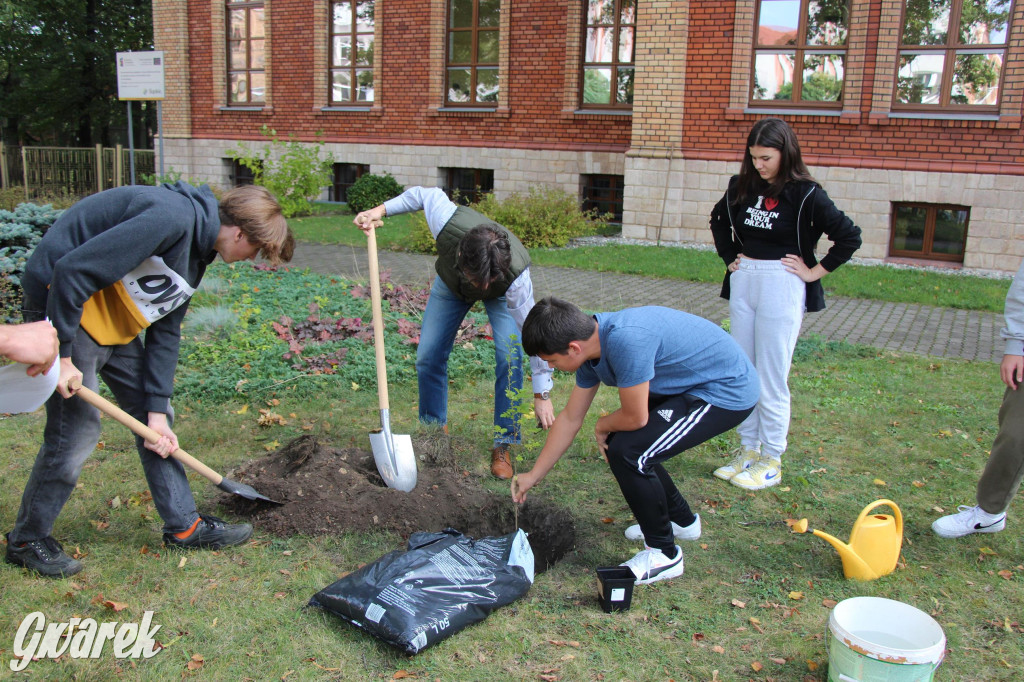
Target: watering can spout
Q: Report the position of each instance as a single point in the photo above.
(853, 565)
(875, 542)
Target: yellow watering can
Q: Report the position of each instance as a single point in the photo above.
(875, 542)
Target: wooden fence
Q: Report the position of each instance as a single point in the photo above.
(70, 171)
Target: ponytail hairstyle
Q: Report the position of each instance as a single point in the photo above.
(484, 255)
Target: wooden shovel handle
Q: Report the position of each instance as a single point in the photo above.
(378, 321)
(111, 410)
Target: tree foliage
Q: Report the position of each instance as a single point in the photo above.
(58, 77)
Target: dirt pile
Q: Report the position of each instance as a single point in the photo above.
(327, 490)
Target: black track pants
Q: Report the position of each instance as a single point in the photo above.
(675, 423)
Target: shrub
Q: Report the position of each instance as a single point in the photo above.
(12, 196)
(545, 217)
(293, 171)
(20, 231)
(372, 190)
(421, 241)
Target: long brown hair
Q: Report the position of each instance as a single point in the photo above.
(776, 134)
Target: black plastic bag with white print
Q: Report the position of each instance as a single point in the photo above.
(442, 583)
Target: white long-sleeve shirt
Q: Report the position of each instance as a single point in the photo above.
(438, 209)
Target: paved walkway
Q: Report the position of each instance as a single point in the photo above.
(900, 327)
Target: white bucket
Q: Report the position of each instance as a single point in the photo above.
(872, 639)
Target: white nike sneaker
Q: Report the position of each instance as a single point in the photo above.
(743, 459)
(691, 532)
(651, 565)
(765, 473)
(968, 520)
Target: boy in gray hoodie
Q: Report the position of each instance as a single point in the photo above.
(114, 264)
(1001, 478)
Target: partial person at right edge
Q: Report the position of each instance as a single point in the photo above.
(766, 229)
(1004, 470)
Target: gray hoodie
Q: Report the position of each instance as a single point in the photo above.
(101, 239)
(1013, 313)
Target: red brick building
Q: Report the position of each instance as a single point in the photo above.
(908, 113)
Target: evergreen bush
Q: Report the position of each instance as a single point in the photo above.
(20, 231)
(372, 190)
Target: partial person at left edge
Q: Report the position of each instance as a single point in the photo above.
(114, 264)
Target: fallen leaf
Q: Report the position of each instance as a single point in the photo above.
(1005, 574)
(739, 604)
(776, 659)
(796, 595)
(756, 666)
(718, 649)
(181, 564)
(355, 386)
(918, 484)
(812, 666)
(879, 481)
(402, 674)
(243, 409)
(116, 502)
(196, 662)
(607, 519)
(287, 552)
(829, 603)
(114, 605)
(703, 545)
(987, 550)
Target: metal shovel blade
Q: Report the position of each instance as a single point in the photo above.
(243, 490)
(394, 456)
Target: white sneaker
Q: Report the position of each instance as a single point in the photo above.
(651, 565)
(968, 520)
(765, 473)
(743, 459)
(691, 532)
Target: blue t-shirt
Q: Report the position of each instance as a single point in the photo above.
(676, 352)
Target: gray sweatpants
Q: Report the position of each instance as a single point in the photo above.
(1005, 468)
(766, 308)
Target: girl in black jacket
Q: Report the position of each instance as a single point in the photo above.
(766, 228)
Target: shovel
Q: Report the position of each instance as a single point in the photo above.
(226, 484)
(393, 454)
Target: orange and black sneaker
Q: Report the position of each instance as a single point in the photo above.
(209, 532)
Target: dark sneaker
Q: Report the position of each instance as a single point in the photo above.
(211, 533)
(46, 557)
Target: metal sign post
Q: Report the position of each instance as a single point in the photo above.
(140, 76)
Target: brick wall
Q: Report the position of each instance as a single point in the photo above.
(677, 149)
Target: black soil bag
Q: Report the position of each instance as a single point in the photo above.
(444, 582)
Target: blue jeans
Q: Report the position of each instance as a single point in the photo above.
(72, 431)
(441, 319)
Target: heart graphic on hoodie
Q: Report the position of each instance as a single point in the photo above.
(771, 203)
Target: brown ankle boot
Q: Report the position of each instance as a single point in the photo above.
(501, 462)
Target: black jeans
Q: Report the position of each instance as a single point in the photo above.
(675, 423)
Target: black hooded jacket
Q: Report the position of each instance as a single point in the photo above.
(816, 215)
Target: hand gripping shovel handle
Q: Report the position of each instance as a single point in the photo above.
(140, 429)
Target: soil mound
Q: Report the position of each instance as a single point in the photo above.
(326, 490)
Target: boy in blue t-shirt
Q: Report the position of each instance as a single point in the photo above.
(682, 380)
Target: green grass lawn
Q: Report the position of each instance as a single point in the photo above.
(754, 601)
(898, 285)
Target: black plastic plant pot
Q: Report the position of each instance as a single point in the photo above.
(615, 588)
